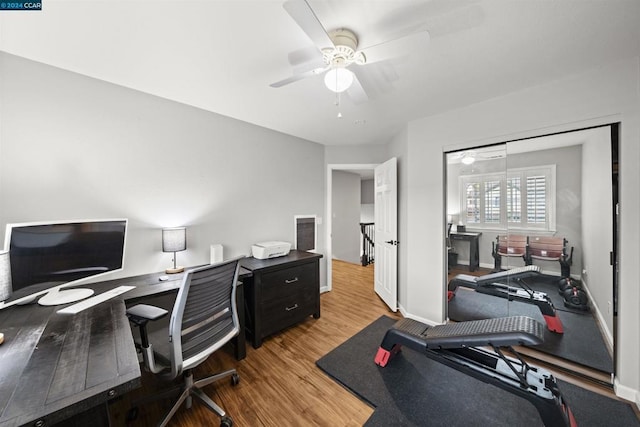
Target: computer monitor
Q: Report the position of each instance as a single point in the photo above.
(47, 257)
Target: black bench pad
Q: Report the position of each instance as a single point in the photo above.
(505, 331)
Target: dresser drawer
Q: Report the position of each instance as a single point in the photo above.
(280, 293)
(287, 311)
(290, 281)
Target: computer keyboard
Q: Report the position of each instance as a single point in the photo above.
(94, 300)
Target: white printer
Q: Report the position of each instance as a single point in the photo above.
(265, 250)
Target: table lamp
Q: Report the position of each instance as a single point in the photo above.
(174, 240)
(5, 275)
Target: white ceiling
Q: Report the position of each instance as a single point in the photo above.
(221, 56)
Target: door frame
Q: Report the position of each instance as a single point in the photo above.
(329, 209)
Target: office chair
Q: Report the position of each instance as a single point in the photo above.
(203, 319)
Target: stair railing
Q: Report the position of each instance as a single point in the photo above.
(368, 238)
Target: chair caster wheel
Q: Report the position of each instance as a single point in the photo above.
(235, 379)
(226, 422)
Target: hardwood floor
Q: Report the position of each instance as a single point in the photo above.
(279, 382)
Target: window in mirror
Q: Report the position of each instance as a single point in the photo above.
(524, 198)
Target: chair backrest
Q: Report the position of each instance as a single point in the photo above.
(547, 248)
(204, 316)
(512, 245)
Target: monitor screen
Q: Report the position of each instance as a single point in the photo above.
(59, 254)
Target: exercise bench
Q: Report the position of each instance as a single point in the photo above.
(511, 284)
(458, 345)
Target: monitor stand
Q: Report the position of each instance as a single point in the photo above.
(64, 296)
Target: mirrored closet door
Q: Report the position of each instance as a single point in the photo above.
(531, 232)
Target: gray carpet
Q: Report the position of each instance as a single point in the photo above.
(581, 342)
(414, 390)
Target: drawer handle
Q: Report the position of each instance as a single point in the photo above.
(287, 281)
(293, 307)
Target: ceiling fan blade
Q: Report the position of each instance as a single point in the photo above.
(288, 80)
(316, 64)
(299, 76)
(356, 92)
(306, 19)
(395, 48)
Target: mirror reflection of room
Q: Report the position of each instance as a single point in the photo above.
(542, 212)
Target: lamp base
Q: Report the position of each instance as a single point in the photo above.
(174, 270)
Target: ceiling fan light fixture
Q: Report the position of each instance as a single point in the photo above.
(338, 79)
(468, 159)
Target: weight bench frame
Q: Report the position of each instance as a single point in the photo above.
(455, 345)
(493, 284)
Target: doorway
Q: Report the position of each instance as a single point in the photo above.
(363, 172)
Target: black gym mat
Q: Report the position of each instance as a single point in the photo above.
(413, 390)
(581, 342)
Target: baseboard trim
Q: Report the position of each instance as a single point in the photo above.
(407, 315)
(626, 393)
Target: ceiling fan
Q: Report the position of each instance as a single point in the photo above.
(338, 49)
(468, 157)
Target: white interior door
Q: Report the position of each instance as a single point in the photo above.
(386, 232)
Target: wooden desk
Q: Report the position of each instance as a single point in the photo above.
(474, 251)
(57, 366)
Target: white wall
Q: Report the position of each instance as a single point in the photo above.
(367, 190)
(603, 95)
(75, 147)
(597, 222)
(367, 196)
(367, 213)
(355, 154)
(345, 216)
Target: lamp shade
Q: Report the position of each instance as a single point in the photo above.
(5, 275)
(174, 239)
(338, 79)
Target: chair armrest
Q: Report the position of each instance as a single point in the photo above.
(140, 314)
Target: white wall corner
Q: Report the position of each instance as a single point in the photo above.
(407, 315)
(626, 393)
(607, 334)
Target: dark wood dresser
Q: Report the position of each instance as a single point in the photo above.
(281, 292)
